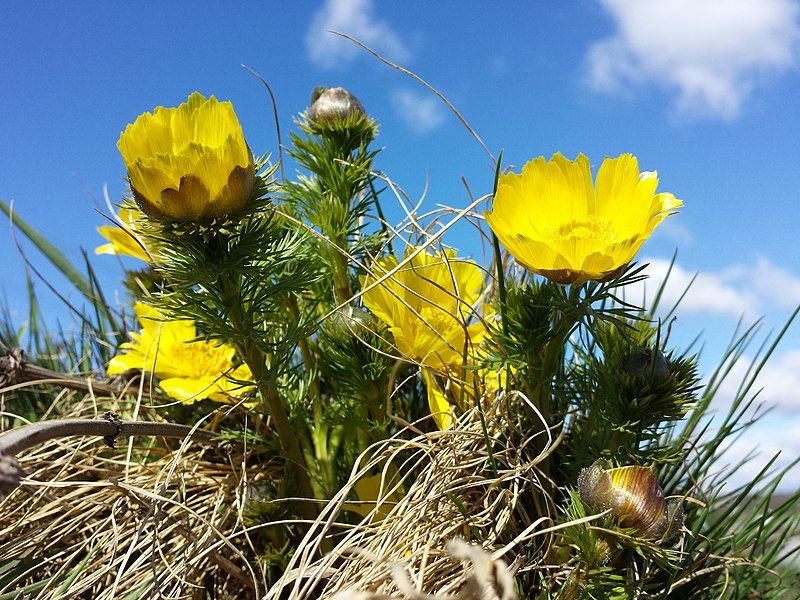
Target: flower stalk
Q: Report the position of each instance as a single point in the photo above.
(297, 480)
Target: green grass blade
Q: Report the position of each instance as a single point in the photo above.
(53, 254)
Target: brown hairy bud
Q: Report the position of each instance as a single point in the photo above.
(634, 497)
(328, 104)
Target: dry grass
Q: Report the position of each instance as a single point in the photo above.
(94, 522)
(455, 488)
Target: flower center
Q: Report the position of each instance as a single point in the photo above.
(436, 319)
(202, 358)
(588, 228)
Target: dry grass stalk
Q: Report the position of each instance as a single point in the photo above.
(94, 522)
(457, 493)
(91, 522)
(488, 580)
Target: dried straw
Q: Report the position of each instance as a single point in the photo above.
(100, 523)
(167, 523)
(461, 489)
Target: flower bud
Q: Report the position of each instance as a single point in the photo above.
(634, 497)
(329, 104)
(353, 321)
(648, 362)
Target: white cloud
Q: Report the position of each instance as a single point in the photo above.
(675, 231)
(737, 290)
(778, 388)
(772, 282)
(777, 384)
(712, 53)
(762, 441)
(355, 18)
(421, 112)
(709, 293)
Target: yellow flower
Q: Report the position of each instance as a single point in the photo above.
(189, 163)
(373, 488)
(427, 304)
(459, 391)
(559, 224)
(188, 370)
(123, 238)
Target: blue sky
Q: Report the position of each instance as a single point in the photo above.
(705, 92)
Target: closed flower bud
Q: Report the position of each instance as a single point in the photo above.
(634, 497)
(353, 321)
(648, 362)
(189, 163)
(330, 104)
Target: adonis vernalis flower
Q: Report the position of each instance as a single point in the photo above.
(557, 223)
(189, 370)
(189, 163)
(427, 304)
(123, 239)
(458, 392)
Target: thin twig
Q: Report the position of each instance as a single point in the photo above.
(14, 369)
(413, 75)
(110, 427)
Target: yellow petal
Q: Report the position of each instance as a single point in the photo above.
(157, 327)
(214, 168)
(135, 361)
(370, 490)
(180, 160)
(234, 385)
(441, 410)
(427, 302)
(189, 390)
(556, 223)
(122, 242)
(148, 135)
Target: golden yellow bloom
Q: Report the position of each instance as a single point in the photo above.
(123, 239)
(427, 304)
(189, 163)
(559, 224)
(188, 370)
(369, 489)
(459, 391)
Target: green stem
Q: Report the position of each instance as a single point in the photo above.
(341, 275)
(297, 477)
(377, 407)
(541, 383)
(297, 480)
(362, 435)
(547, 366)
(305, 350)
